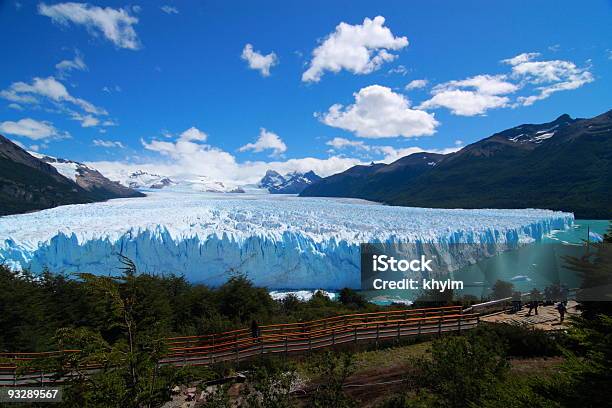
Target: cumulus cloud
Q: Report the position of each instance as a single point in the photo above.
(108, 143)
(380, 112)
(169, 9)
(117, 25)
(258, 61)
(471, 96)
(50, 88)
(341, 143)
(188, 154)
(550, 76)
(389, 153)
(360, 49)
(266, 141)
(416, 84)
(66, 66)
(32, 129)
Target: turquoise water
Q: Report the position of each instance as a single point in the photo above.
(536, 265)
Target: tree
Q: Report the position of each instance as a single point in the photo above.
(502, 289)
(269, 387)
(464, 369)
(333, 370)
(128, 373)
(350, 297)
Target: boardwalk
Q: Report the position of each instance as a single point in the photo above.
(289, 338)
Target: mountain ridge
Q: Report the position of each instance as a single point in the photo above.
(563, 165)
(28, 183)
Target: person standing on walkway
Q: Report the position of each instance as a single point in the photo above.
(534, 301)
(562, 309)
(254, 329)
(516, 302)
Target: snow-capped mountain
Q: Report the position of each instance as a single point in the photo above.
(87, 177)
(290, 183)
(30, 182)
(141, 179)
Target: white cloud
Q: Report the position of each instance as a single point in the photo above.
(169, 9)
(380, 112)
(416, 84)
(266, 141)
(115, 24)
(341, 143)
(86, 120)
(400, 69)
(48, 88)
(30, 128)
(15, 106)
(360, 49)
(471, 96)
(66, 66)
(193, 134)
(551, 76)
(108, 143)
(258, 61)
(189, 155)
(389, 153)
(521, 58)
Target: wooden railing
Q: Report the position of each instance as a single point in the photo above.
(273, 339)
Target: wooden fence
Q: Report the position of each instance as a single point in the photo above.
(288, 338)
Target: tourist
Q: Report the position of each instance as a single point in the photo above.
(562, 309)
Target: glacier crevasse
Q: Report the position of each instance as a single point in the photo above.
(281, 242)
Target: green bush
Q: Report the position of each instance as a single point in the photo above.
(521, 341)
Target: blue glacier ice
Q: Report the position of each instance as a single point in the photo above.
(281, 242)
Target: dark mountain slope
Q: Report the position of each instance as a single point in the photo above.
(571, 170)
(563, 165)
(371, 182)
(29, 184)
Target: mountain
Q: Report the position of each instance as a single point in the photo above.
(28, 183)
(564, 165)
(89, 179)
(371, 182)
(143, 179)
(290, 183)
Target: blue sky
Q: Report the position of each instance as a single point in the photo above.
(173, 87)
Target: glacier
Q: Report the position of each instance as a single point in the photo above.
(278, 241)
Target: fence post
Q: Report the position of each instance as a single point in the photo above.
(286, 346)
(236, 347)
(261, 345)
(355, 334)
(440, 326)
(333, 337)
(460, 323)
(377, 333)
(398, 331)
(15, 376)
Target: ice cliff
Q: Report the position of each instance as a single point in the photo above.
(279, 241)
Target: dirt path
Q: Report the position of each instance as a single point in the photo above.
(546, 319)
